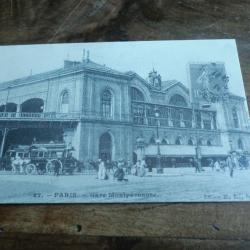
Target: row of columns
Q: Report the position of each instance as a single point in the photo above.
(181, 120)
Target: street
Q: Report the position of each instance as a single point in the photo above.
(177, 185)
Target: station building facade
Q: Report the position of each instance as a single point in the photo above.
(114, 114)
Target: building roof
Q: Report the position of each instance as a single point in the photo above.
(69, 67)
(166, 85)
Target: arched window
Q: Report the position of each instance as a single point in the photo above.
(209, 143)
(106, 104)
(190, 142)
(235, 118)
(165, 141)
(9, 107)
(152, 140)
(33, 105)
(178, 100)
(240, 144)
(200, 141)
(178, 141)
(64, 102)
(136, 95)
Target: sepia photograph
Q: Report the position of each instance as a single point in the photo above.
(123, 122)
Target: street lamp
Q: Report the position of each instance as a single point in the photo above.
(198, 151)
(158, 156)
(231, 145)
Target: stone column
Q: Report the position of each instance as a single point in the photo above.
(193, 119)
(212, 121)
(202, 123)
(145, 115)
(18, 108)
(181, 120)
(170, 121)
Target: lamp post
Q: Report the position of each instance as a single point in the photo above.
(198, 151)
(231, 145)
(158, 156)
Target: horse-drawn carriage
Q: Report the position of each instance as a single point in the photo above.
(41, 158)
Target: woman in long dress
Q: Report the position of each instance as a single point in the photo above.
(141, 171)
(101, 170)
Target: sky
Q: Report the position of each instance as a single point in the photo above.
(169, 58)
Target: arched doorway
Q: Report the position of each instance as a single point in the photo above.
(34, 105)
(105, 147)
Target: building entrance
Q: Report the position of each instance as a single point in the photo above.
(105, 147)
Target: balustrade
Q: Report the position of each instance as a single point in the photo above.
(142, 114)
(38, 116)
(65, 116)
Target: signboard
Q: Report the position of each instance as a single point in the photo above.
(209, 82)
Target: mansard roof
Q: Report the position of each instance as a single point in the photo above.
(69, 68)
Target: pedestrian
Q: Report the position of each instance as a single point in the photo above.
(129, 167)
(211, 164)
(243, 162)
(141, 171)
(196, 165)
(57, 168)
(101, 170)
(235, 160)
(114, 166)
(134, 168)
(230, 165)
(121, 164)
(217, 165)
(120, 173)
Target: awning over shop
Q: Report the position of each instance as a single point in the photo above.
(185, 150)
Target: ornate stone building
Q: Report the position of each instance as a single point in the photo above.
(104, 113)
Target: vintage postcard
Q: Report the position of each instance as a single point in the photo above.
(118, 122)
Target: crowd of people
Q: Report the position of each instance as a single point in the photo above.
(232, 162)
(117, 169)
